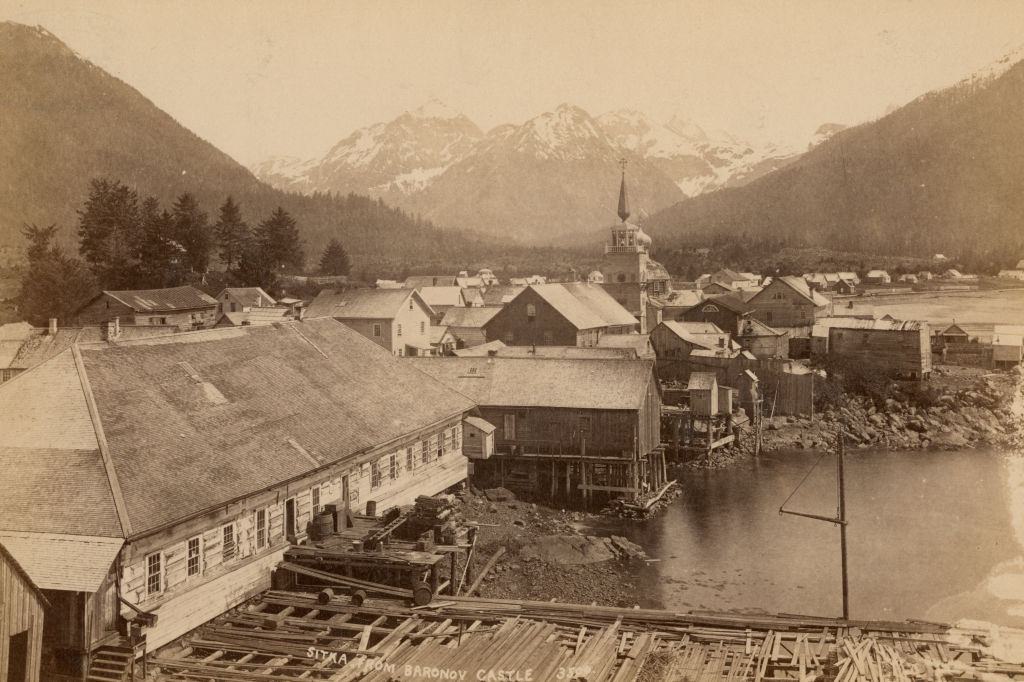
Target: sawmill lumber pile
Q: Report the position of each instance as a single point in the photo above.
(304, 636)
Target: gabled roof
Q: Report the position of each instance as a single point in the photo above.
(544, 382)
(418, 281)
(184, 423)
(727, 275)
(733, 302)
(877, 273)
(656, 271)
(254, 316)
(163, 300)
(442, 295)
(72, 563)
(17, 568)
(480, 424)
(559, 352)
(469, 317)
(437, 334)
(40, 345)
(797, 284)
(597, 299)
(579, 314)
(500, 294)
(370, 304)
(248, 296)
(702, 334)
(953, 329)
(473, 295)
(702, 381)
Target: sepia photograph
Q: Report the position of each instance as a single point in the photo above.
(511, 340)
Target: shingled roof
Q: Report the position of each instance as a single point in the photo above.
(544, 382)
(574, 310)
(163, 300)
(249, 296)
(138, 435)
(601, 303)
(372, 304)
(469, 317)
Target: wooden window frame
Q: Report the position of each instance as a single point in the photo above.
(377, 330)
(410, 459)
(314, 499)
(224, 557)
(425, 452)
(375, 475)
(393, 466)
(265, 529)
(198, 557)
(160, 574)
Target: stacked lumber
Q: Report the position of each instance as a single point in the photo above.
(436, 515)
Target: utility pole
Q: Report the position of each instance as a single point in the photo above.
(839, 519)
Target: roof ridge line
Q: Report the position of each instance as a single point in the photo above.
(307, 340)
(101, 442)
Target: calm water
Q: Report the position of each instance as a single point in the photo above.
(935, 535)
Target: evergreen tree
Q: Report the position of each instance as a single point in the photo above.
(53, 284)
(108, 232)
(192, 232)
(278, 241)
(232, 233)
(161, 257)
(335, 260)
(255, 269)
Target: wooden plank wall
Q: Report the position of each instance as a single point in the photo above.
(21, 610)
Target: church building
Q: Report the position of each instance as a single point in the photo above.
(631, 276)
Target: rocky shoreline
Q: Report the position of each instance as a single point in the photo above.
(963, 413)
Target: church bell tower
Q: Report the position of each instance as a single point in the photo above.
(626, 258)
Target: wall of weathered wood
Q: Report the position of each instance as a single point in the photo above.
(21, 610)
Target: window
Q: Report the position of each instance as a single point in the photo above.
(393, 466)
(154, 573)
(410, 303)
(424, 452)
(549, 338)
(194, 560)
(375, 475)
(314, 495)
(376, 330)
(261, 528)
(440, 447)
(531, 310)
(399, 329)
(508, 338)
(709, 309)
(410, 460)
(423, 327)
(229, 547)
(768, 316)
(457, 438)
(584, 424)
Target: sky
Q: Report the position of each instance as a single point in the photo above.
(262, 78)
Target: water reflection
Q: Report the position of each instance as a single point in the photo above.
(934, 535)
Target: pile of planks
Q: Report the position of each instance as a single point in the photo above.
(436, 515)
(384, 639)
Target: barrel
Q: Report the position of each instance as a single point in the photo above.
(422, 594)
(371, 508)
(325, 595)
(358, 597)
(323, 525)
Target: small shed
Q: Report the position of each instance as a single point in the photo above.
(703, 388)
(1007, 349)
(21, 622)
(953, 334)
(478, 438)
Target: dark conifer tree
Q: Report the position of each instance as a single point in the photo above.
(108, 231)
(334, 260)
(278, 241)
(232, 233)
(53, 284)
(192, 231)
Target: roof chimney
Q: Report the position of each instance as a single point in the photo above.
(111, 329)
(53, 326)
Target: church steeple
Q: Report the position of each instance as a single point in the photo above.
(623, 198)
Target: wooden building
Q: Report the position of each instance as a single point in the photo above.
(548, 315)
(478, 438)
(725, 311)
(761, 340)
(567, 430)
(243, 299)
(441, 299)
(183, 307)
(673, 343)
(703, 389)
(396, 319)
(183, 466)
(467, 324)
(787, 302)
(903, 348)
(22, 606)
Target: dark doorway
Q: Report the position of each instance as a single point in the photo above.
(344, 490)
(289, 518)
(17, 658)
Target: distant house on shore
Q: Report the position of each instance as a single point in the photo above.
(901, 347)
(185, 307)
(1011, 274)
(877, 277)
(787, 302)
(419, 281)
(243, 299)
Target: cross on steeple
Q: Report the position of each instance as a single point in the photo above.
(623, 163)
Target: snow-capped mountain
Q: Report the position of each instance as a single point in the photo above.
(551, 175)
(398, 157)
(696, 160)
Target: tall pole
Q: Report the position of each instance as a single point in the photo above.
(842, 524)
